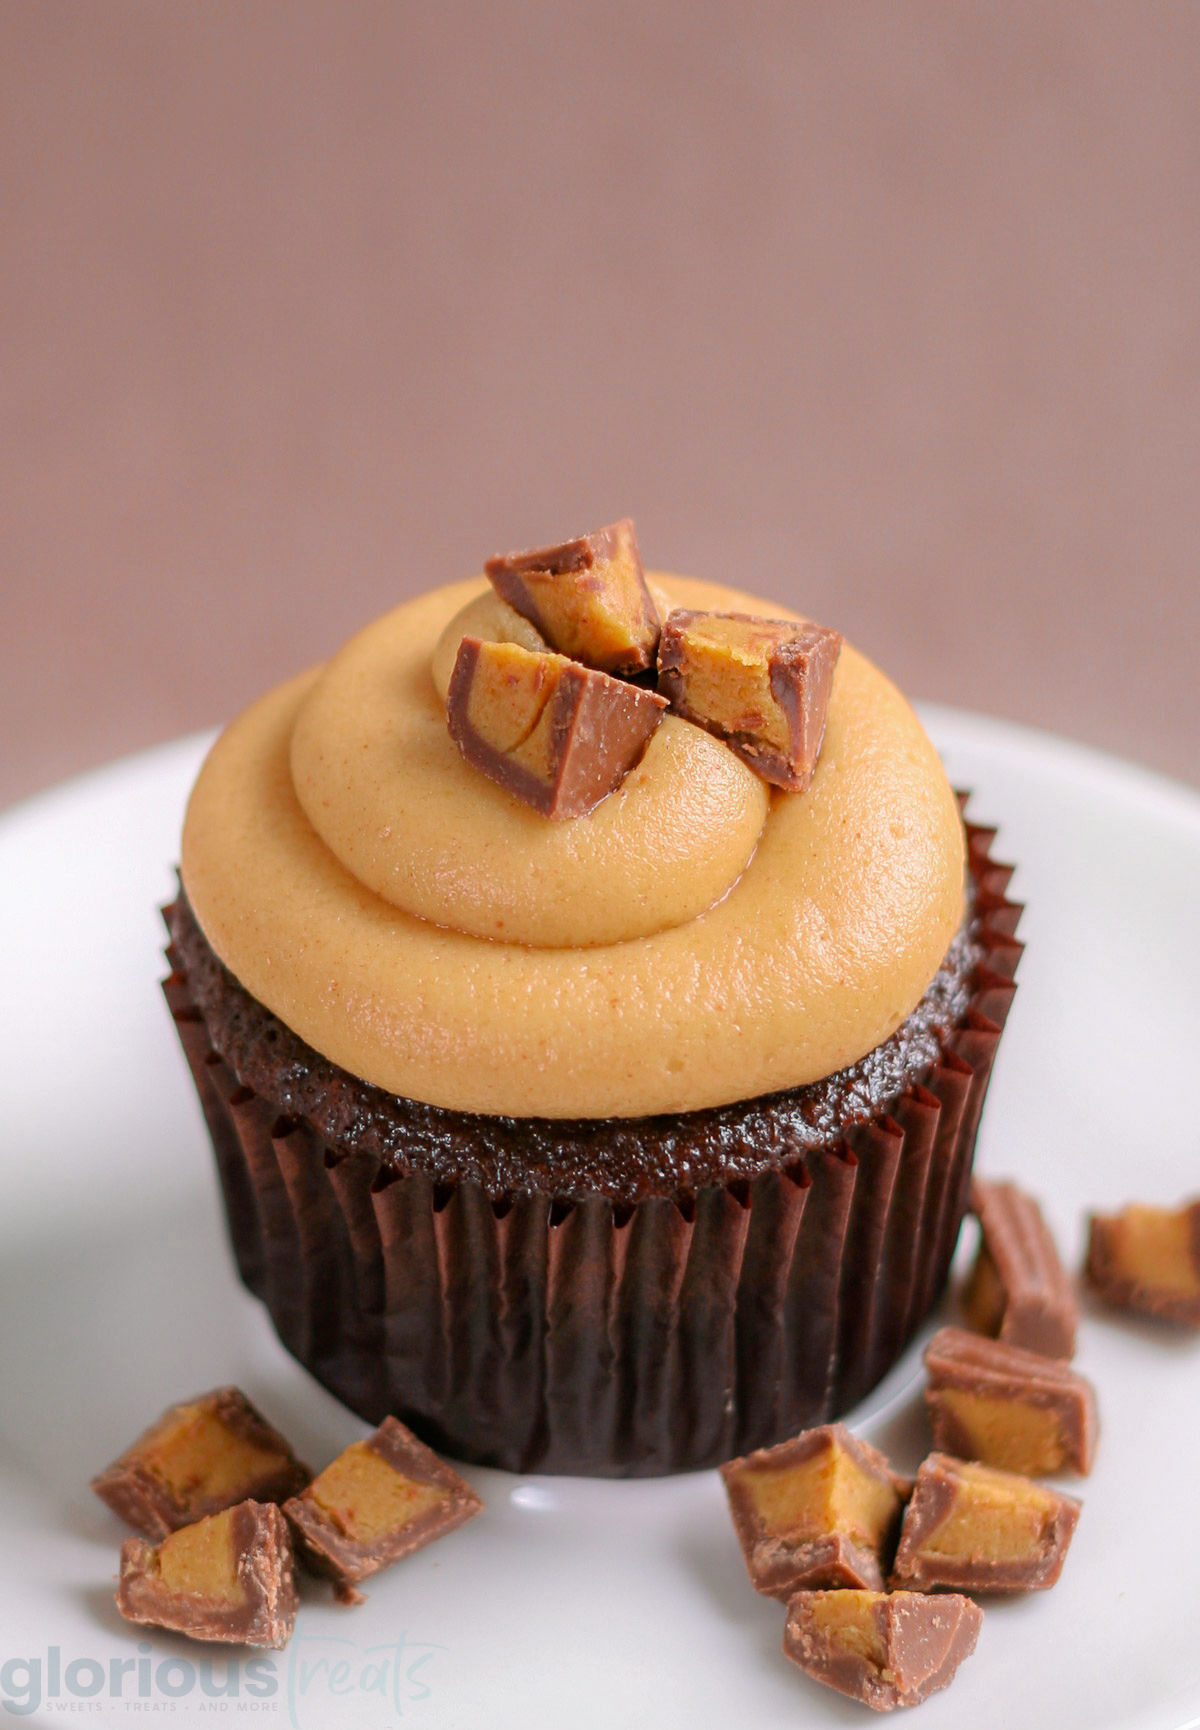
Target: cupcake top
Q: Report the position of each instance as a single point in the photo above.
(699, 936)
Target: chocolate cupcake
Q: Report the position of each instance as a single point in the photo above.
(618, 1145)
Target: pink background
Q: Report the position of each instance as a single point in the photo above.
(891, 310)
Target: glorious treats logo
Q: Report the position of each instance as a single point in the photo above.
(380, 1682)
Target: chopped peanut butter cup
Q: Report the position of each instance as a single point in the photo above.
(762, 685)
(883, 1649)
(1148, 1259)
(975, 1529)
(201, 1456)
(379, 1501)
(227, 1577)
(1018, 1290)
(822, 1510)
(557, 735)
(1008, 1407)
(587, 597)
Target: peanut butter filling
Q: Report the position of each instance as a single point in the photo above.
(1154, 1245)
(696, 939)
(827, 1493)
(366, 1498)
(200, 1560)
(984, 1297)
(996, 1516)
(196, 1451)
(848, 1620)
(1013, 1434)
(729, 679)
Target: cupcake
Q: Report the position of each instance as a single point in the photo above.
(613, 1143)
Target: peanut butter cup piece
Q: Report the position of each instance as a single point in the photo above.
(883, 1649)
(1147, 1259)
(1008, 1407)
(201, 1456)
(227, 1577)
(761, 685)
(820, 1510)
(1018, 1291)
(975, 1529)
(377, 1502)
(555, 734)
(588, 598)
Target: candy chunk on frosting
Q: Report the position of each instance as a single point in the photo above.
(383, 784)
(828, 934)
(559, 736)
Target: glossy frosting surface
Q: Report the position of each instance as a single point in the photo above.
(696, 940)
(385, 787)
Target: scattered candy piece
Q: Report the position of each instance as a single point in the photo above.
(820, 1510)
(1148, 1259)
(1019, 1291)
(201, 1456)
(1008, 1407)
(885, 1649)
(975, 1529)
(378, 1501)
(227, 1577)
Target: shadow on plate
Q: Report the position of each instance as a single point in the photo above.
(106, 1327)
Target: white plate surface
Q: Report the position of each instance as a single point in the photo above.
(568, 1603)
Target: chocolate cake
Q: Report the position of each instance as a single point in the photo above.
(455, 1226)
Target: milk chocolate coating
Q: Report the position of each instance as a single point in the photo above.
(610, 1297)
(265, 1574)
(599, 730)
(925, 1639)
(800, 666)
(149, 1505)
(327, 1550)
(939, 1487)
(801, 681)
(957, 1359)
(1142, 1292)
(779, 1565)
(582, 559)
(1019, 1290)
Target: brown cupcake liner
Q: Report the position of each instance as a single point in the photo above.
(600, 1338)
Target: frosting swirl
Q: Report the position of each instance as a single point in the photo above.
(385, 787)
(695, 940)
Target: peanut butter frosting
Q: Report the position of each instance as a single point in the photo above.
(699, 938)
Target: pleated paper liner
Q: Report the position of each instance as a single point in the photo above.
(536, 1333)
